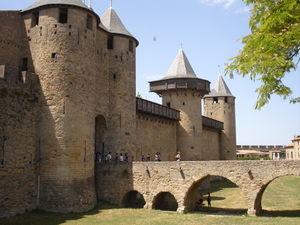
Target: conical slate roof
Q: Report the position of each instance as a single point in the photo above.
(40, 3)
(181, 67)
(113, 23)
(220, 90)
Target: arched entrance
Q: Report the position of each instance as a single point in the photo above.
(165, 201)
(133, 199)
(279, 197)
(100, 129)
(226, 196)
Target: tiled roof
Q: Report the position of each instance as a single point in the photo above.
(181, 67)
(220, 90)
(113, 23)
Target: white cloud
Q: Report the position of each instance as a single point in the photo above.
(226, 3)
(243, 10)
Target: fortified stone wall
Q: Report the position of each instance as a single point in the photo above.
(155, 134)
(18, 155)
(12, 49)
(211, 140)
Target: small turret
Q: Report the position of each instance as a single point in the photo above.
(219, 104)
(182, 90)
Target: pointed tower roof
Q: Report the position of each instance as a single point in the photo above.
(221, 89)
(181, 67)
(40, 3)
(113, 23)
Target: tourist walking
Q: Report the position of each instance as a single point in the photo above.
(148, 157)
(108, 157)
(143, 158)
(178, 157)
(201, 200)
(121, 158)
(156, 156)
(208, 199)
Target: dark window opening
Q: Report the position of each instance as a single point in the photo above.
(226, 99)
(114, 76)
(130, 46)
(215, 100)
(24, 64)
(89, 22)
(35, 19)
(2, 150)
(63, 15)
(53, 55)
(169, 104)
(183, 103)
(110, 42)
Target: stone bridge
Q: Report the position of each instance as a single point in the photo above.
(152, 180)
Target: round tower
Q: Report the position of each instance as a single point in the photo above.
(62, 36)
(121, 47)
(219, 104)
(182, 90)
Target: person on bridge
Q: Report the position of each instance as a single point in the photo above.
(178, 157)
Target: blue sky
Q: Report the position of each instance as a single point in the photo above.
(210, 32)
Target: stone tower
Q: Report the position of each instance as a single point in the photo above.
(122, 86)
(219, 104)
(182, 90)
(62, 36)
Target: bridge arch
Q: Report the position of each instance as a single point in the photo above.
(133, 199)
(191, 198)
(259, 196)
(165, 201)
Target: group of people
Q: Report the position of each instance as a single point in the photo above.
(109, 158)
(125, 158)
(202, 198)
(157, 157)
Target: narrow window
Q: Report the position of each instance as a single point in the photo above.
(24, 64)
(63, 15)
(2, 146)
(226, 99)
(215, 100)
(110, 42)
(53, 55)
(35, 19)
(169, 104)
(130, 46)
(89, 22)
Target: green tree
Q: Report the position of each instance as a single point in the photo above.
(271, 50)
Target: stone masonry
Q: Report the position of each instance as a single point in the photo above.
(181, 179)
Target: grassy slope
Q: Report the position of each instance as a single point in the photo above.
(105, 215)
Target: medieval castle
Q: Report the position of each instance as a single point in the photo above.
(68, 90)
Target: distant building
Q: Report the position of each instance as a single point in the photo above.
(293, 150)
(273, 152)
